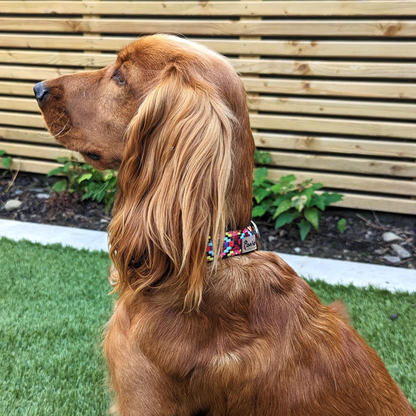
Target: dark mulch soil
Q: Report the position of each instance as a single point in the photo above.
(362, 240)
(42, 206)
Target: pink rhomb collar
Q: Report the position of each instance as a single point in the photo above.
(237, 242)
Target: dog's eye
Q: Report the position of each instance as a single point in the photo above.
(118, 77)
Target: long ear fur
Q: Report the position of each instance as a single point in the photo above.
(172, 185)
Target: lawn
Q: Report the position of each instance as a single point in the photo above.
(54, 302)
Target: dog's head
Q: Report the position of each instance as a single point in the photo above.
(171, 115)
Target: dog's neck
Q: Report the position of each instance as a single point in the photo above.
(237, 242)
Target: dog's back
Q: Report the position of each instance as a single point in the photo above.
(261, 344)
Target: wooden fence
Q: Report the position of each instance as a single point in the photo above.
(331, 84)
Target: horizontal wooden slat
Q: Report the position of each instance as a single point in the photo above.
(344, 164)
(315, 143)
(17, 88)
(287, 27)
(26, 135)
(332, 107)
(323, 68)
(21, 119)
(244, 66)
(34, 166)
(289, 86)
(33, 73)
(19, 104)
(40, 152)
(214, 8)
(334, 125)
(350, 182)
(56, 58)
(304, 48)
(377, 203)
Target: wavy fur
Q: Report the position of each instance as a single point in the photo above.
(172, 186)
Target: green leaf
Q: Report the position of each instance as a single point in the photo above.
(341, 225)
(287, 179)
(331, 198)
(304, 228)
(316, 186)
(278, 201)
(60, 185)
(7, 161)
(262, 158)
(285, 218)
(276, 188)
(317, 200)
(85, 177)
(313, 215)
(259, 210)
(260, 194)
(67, 166)
(260, 175)
(306, 184)
(62, 159)
(108, 176)
(109, 204)
(284, 206)
(2, 152)
(299, 202)
(56, 171)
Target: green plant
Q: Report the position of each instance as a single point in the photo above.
(341, 225)
(6, 160)
(86, 181)
(287, 200)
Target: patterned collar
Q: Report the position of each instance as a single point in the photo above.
(237, 242)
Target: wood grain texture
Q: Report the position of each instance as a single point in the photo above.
(342, 145)
(350, 182)
(302, 48)
(325, 68)
(214, 8)
(244, 66)
(33, 166)
(287, 86)
(378, 203)
(32, 73)
(288, 27)
(19, 104)
(27, 135)
(36, 151)
(334, 125)
(331, 107)
(21, 119)
(17, 88)
(344, 164)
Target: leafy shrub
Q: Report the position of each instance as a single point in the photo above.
(287, 200)
(6, 160)
(86, 181)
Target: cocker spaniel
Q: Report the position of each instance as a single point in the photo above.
(204, 324)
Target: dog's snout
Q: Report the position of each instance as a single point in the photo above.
(41, 92)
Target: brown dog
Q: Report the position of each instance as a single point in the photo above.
(239, 336)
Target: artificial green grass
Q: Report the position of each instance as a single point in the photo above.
(53, 304)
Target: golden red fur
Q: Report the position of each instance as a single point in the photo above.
(238, 337)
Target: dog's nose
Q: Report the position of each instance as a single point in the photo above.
(41, 92)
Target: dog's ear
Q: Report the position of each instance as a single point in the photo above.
(172, 185)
